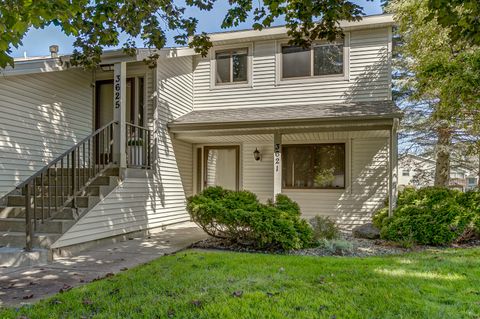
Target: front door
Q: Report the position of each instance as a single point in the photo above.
(104, 102)
(221, 166)
(134, 112)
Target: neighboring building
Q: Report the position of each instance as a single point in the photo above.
(418, 171)
(318, 125)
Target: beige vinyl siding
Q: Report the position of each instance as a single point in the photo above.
(184, 155)
(368, 69)
(174, 99)
(366, 180)
(42, 116)
(258, 175)
(139, 203)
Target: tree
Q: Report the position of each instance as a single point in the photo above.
(99, 23)
(461, 17)
(439, 81)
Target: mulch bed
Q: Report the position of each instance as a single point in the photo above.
(359, 247)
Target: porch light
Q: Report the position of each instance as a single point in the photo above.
(106, 67)
(256, 155)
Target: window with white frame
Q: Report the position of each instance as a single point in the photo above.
(321, 59)
(313, 166)
(231, 66)
(406, 172)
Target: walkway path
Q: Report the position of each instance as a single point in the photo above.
(28, 284)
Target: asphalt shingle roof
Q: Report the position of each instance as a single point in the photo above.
(344, 111)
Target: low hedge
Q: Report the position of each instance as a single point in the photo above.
(241, 218)
(431, 216)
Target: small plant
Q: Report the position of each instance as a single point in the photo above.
(336, 246)
(135, 142)
(407, 242)
(324, 228)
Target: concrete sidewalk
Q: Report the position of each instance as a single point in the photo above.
(29, 284)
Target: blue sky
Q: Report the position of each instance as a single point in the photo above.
(36, 42)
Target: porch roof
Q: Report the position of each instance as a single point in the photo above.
(285, 115)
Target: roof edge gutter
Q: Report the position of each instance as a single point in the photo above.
(185, 127)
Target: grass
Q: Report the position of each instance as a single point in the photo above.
(199, 284)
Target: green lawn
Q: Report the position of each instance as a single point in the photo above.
(199, 284)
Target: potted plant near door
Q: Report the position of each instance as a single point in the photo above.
(135, 151)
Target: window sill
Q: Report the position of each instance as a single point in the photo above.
(340, 78)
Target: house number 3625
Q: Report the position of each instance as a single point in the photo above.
(117, 88)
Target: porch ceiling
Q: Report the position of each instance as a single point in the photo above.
(286, 137)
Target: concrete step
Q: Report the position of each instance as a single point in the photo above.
(19, 212)
(112, 171)
(105, 181)
(67, 180)
(19, 201)
(17, 239)
(56, 226)
(57, 190)
(18, 257)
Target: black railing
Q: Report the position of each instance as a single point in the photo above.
(57, 185)
(138, 146)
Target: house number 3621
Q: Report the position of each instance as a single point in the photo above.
(277, 157)
(117, 88)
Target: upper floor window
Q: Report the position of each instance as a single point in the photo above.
(319, 60)
(406, 172)
(231, 66)
(471, 181)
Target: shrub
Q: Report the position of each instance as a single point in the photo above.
(431, 216)
(379, 217)
(324, 228)
(336, 246)
(241, 218)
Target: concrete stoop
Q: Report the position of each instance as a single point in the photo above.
(18, 257)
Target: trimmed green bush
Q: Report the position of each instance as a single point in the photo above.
(431, 216)
(240, 218)
(379, 216)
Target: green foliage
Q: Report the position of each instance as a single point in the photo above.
(336, 246)
(284, 203)
(441, 72)
(97, 24)
(434, 284)
(241, 218)
(135, 142)
(324, 228)
(460, 16)
(379, 217)
(431, 216)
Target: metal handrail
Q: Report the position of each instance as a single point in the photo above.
(138, 146)
(58, 158)
(79, 166)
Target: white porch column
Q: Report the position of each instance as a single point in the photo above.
(119, 113)
(393, 168)
(277, 164)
